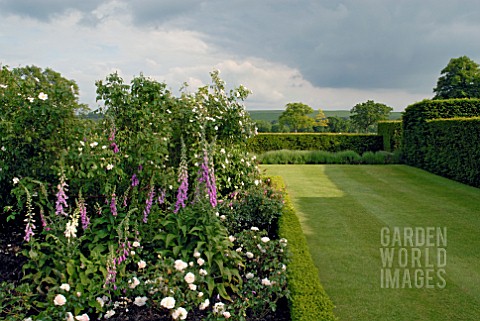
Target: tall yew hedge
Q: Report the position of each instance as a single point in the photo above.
(453, 149)
(415, 128)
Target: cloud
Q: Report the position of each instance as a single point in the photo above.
(324, 53)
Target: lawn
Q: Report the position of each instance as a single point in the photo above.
(343, 209)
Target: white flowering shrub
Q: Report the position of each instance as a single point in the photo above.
(134, 215)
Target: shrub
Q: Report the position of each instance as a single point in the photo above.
(259, 206)
(325, 141)
(323, 157)
(452, 149)
(391, 131)
(415, 128)
(308, 300)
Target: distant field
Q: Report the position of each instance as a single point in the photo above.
(270, 115)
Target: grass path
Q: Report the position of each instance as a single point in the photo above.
(343, 209)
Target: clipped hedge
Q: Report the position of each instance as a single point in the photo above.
(415, 128)
(392, 132)
(308, 299)
(453, 149)
(330, 142)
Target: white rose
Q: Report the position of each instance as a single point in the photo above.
(200, 261)
(142, 264)
(265, 239)
(249, 255)
(226, 314)
(231, 238)
(109, 314)
(196, 254)
(180, 265)
(168, 302)
(202, 272)
(42, 96)
(266, 282)
(83, 317)
(192, 287)
(189, 277)
(140, 301)
(249, 276)
(59, 300)
(180, 313)
(136, 244)
(133, 283)
(65, 286)
(69, 317)
(204, 304)
(254, 228)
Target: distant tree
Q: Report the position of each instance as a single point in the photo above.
(339, 125)
(264, 126)
(296, 117)
(461, 79)
(369, 113)
(321, 121)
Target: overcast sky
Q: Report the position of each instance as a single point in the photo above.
(328, 54)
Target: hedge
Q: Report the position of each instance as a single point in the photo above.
(415, 130)
(308, 300)
(330, 142)
(392, 132)
(453, 149)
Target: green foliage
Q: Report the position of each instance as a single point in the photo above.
(460, 79)
(258, 206)
(327, 142)
(452, 149)
(308, 300)
(324, 157)
(296, 117)
(263, 126)
(367, 114)
(37, 121)
(415, 128)
(392, 132)
(340, 125)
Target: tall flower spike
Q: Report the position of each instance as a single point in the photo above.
(61, 202)
(207, 177)
(113, 205)
(83, 213)
(182, 193)
(148, 206)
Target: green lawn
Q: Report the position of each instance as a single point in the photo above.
(343, 209)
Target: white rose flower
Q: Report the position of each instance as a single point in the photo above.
(249, 276)
(142, 264)
(219, 308)
(59, 300)
(140, 301)
(168, 302)
(109, 314)
(69, 317)
(254, 228)
(180, 265)
(100, 301)
(180, 313)
(65, 286)
(265, 239)
(133, 283)
(196, 254)
(109, 167)
(83, 317)
(15, 180)
(231, 238)
(189, 277)
(239, 249)
(249, 255)
(192, 287)
(226, 314)
(42, 96)
(202, 272)
(136, 244)
(200, 261)
(200, 294)
(266, 282)
(204, 304)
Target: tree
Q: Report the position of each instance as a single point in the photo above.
(321, 121)
(461, 79)
(263, 126)
(296, 117)
(369, 113)
(339, 125)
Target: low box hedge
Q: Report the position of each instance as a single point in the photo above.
(308, 299)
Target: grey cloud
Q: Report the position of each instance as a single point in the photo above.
(46, 9)
(358, 44)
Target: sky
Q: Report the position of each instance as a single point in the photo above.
(327, 54)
